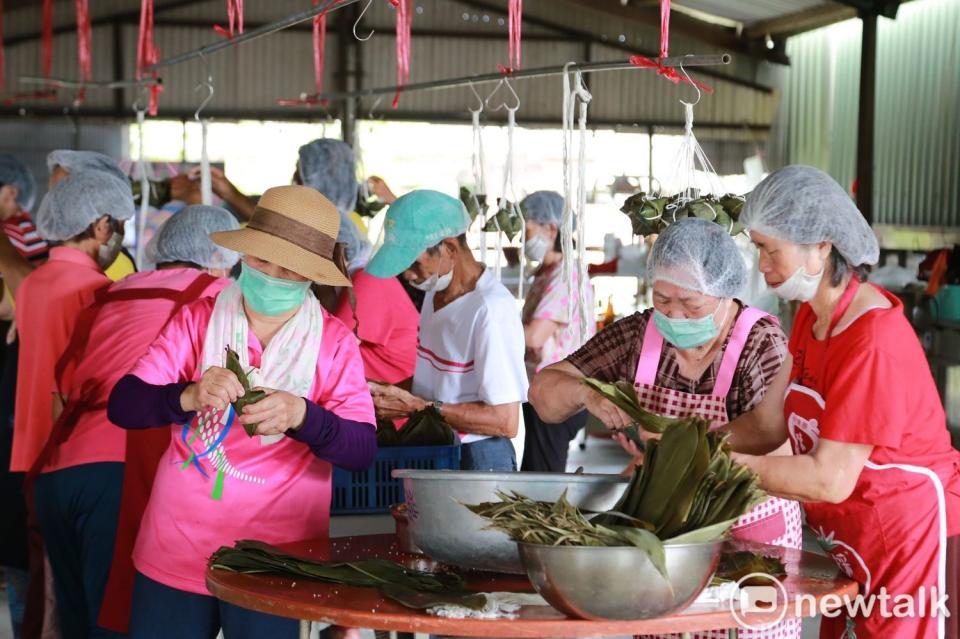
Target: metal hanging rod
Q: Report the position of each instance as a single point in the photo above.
(247, 36)
(72, 84)
(539, 72)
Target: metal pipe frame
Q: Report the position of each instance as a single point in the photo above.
(253, 34)
(72, 84)
(539, 72)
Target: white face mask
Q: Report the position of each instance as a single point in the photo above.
(800, 286)
(108, 251)
(434, 282)
(536, 248)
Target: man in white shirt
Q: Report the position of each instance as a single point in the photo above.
(470, 349)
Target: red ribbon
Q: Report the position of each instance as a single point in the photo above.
(668, 72)
(664, 29)
(234, 19)
(46, 39)
(3, 61)
(404, 26)
(319, 46)
(147, 51)
(515, 24)
(84, 46)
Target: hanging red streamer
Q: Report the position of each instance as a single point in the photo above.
(147, 52)
(234, 19)
(3, 58)
(514, 26)
(319, 46)
(84, 46)
(669, 73)
(404, 27)
(46, 39)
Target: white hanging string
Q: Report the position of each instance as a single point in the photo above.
(144, 186)
(691, 159)
(575, 195)
(510, 195)
(479, 184)
(206, 185)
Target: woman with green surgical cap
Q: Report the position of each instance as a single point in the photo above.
(550, 328)
(698, 351)
(872, 463)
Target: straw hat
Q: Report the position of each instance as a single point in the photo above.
(294, 227)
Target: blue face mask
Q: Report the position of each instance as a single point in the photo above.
(270, 295)
(687, 333)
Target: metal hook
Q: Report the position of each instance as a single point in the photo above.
(357, 23)
(208, 85)
(373, 108)
(138, 104)
(693, 84)
(503, 105)
(473, 90)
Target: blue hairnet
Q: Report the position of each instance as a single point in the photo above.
(804, 205)
(543, 207)
(330, 167)
(76, 161)
(14, 173)
(185, 237)
(79, 200)
(698, 255)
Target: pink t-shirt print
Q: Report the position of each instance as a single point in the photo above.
(277, 493)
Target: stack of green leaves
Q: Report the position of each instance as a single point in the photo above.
(475, 204)
(250, 396)
(651, 214)
(738, 565)
(411, 588)
(688, 488)
(424, 428)
(507, 220)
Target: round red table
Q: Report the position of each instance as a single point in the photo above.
(807, 574)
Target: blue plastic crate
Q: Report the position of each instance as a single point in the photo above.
(374, 490)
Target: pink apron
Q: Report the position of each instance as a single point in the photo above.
(776, 521)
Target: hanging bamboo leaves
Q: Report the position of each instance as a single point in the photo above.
(475, 204)
(250, 396)
(651, 214)
(507, 219)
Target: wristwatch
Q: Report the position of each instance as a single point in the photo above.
(438, 406)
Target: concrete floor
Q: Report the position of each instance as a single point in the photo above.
(599, 456)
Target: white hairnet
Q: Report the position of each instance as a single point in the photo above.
(330, 167)
(14, 173)
(76, 161)
(804, 205)
(79, 200)
(543, 207)
(185, 237)
(698, 255)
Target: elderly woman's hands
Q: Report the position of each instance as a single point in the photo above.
(216, 388)
(276, 413)
(392, 402)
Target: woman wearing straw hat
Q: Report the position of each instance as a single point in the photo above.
(216, 484)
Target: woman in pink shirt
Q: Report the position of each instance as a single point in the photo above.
(215, 483)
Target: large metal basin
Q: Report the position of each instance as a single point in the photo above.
(619, 582)
(445, 530)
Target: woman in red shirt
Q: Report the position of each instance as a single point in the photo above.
(873, 464)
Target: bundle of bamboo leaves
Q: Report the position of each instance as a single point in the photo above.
(507, 219)
(250, 396)
(624, 396)
(411, 588)
(424, 428)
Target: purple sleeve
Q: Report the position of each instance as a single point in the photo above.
(343, 442)
(136, 404)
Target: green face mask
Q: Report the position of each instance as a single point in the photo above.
(270, 295)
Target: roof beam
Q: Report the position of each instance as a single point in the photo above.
(723, 37)
(794, 23)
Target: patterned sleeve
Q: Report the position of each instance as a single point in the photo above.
(611, 354)
(762, 357)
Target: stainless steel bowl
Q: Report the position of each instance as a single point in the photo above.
(619, 582)
(445, 530)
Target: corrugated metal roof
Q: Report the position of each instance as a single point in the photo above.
(918, 96)
(748, 12)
